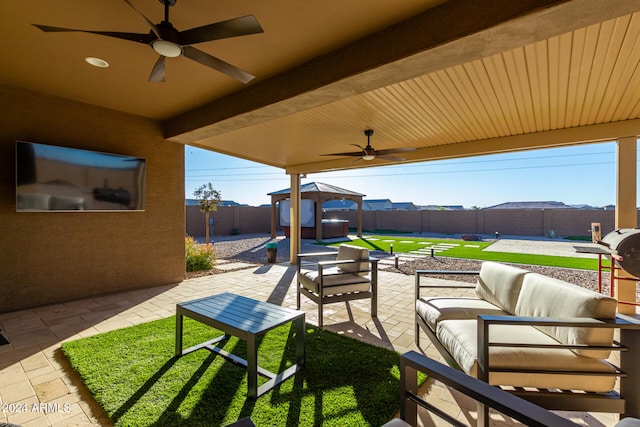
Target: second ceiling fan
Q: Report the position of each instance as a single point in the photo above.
(169, 42)
(369, 153)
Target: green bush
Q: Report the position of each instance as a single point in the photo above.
(199, 257)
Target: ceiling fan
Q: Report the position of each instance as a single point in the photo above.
(170, 43)
(368, 153)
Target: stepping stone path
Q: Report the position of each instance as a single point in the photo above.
(437, 248)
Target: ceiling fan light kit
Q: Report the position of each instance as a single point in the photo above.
(368, 153)
(165, 40)
(165, 48)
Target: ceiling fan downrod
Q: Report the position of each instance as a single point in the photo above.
(167, 4)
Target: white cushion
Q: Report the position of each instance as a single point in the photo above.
(396, 422)
(347, 252)
(334, 281)
(435, 309)
(459, 337)
(628, 422)
(543, 296)
(500, 284)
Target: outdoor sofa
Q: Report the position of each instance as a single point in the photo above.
(543, 339)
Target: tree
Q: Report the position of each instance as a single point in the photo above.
(208, 200)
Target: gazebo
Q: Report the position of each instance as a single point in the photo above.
(319, 193)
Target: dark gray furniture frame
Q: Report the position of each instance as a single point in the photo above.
(246, 319)
(321, 298)
(522, 410)
(626, 402)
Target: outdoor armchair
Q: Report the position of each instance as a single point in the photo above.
(350, 274)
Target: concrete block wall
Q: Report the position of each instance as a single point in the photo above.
(519, 222)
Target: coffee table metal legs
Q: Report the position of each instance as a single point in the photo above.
(253, 370)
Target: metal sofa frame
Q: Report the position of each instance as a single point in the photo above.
(413, 362)
(625, 402)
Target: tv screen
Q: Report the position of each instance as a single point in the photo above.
(52, 178)
(307, 213)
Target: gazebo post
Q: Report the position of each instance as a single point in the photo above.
(274, 216)
(359, 202)
(318, 199)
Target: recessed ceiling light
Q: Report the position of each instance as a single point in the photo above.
(97, 62)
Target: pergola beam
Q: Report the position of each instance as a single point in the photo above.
(549, 139)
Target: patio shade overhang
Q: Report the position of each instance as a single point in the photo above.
(451, 78)
(510, 77)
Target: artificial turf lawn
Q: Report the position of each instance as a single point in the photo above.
(134, 376)
(468, 250)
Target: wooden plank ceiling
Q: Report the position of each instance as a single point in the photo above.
(583, 78)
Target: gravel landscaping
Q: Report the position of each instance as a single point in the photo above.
(251, 249)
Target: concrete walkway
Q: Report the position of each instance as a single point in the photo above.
(541, 247)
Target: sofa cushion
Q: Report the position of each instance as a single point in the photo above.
(434, 309)
(346, 252)
(500, 284)
(543, 296)
(334, 281)
(459, 337)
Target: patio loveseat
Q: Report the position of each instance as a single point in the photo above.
(542, 339)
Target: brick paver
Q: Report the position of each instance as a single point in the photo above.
(34, 373)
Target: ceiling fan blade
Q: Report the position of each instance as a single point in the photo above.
(389, 157)
(394, 150)
(235, 27)
(356, 153)
(151, 24)
(217, 64)
(134, 37)
(157, 73)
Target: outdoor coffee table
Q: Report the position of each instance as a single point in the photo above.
(246, 319)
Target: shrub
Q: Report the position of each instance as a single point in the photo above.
(199, 257)
(471, 237)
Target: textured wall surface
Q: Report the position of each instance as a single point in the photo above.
(57, 256)
(519, 222)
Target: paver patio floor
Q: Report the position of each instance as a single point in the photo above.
(38, 388)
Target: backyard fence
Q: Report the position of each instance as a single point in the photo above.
(519, 222)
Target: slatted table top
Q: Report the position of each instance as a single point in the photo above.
(240, 313)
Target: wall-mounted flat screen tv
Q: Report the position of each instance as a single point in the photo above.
(52, 178)
(307, 213)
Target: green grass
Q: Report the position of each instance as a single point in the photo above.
(468, 250)
(132, 373)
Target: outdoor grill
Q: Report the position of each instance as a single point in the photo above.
(624, 246)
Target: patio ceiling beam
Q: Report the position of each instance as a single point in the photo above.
(453, 33)
(549, 139)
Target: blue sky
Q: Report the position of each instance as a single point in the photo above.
(582, 174)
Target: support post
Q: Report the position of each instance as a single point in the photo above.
(274, 218)
(318, 214)
(360, 217)
(626, 211)
(294, 218)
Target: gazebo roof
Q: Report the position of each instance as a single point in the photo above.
(318, 187)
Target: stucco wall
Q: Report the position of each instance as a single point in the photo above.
(230, 219)
(519, 222)
(57, 256)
